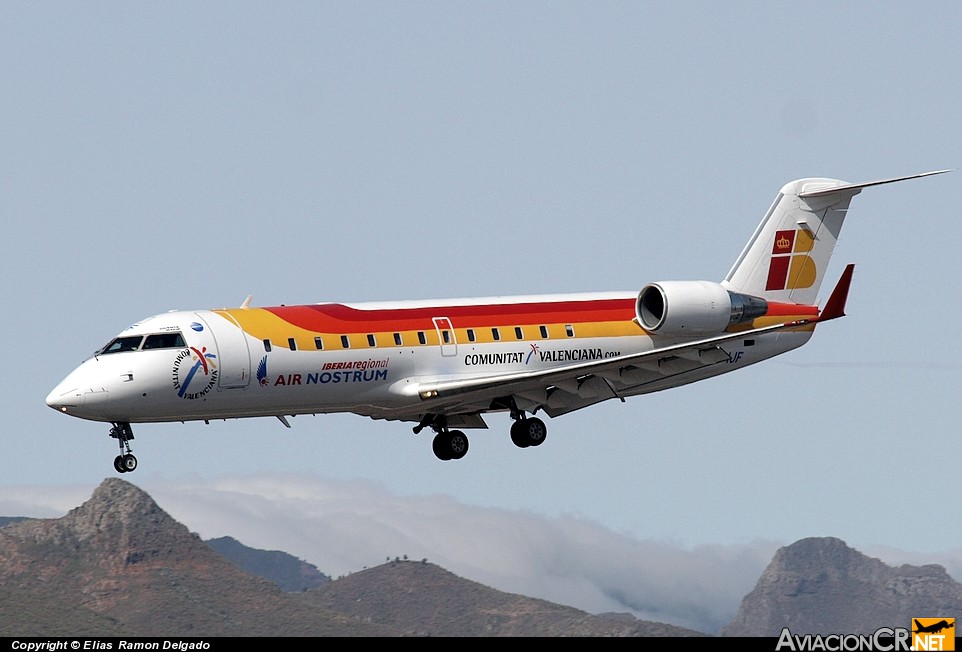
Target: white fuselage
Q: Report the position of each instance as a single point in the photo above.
(220, 371)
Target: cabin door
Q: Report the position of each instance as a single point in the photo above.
(449, 345)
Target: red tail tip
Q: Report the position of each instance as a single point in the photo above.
(835, 306)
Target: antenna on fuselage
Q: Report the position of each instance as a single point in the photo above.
(247, 301)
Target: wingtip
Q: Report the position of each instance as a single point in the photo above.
(835, 306)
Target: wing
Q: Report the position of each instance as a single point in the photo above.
(571, 387)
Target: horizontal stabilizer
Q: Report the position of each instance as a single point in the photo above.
(858, 186)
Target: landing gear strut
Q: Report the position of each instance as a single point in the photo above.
(123, 433)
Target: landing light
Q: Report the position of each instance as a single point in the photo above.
(430, 393)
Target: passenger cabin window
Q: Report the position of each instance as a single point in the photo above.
(446, 336)
(370, 340)
(496, 334)
(291, 343)
(518, 333)
(318, 343)
(471, 336)
(421, 338)
(570, 330)
(544, 332)
(267, 346)
(397, 339)
(165, 341)
(345, 342)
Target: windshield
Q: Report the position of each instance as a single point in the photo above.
(165, 341)
(172, 340)
(120, 344)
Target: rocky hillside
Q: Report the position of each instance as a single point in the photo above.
(288, 572)
(423, 599)
(822, 586)
(119, 564)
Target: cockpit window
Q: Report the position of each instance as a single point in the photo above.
(165, 341)
(172, 340)
(121, 344)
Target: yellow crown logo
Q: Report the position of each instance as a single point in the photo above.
(783, 243)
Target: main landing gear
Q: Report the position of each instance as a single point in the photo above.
(447, 444)
(450, 444)
(123, 433)
(453, 444)
(528, 431)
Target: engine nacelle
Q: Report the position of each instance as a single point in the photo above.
(693, 308)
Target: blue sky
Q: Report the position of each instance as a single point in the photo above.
(190, 154)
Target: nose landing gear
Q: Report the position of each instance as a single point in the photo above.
(123, 433)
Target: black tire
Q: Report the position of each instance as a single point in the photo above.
(442, 446)
(519, 434)
(129, 462)
(536, 431)
(119, 464)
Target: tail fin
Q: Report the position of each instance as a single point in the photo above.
(787, 256)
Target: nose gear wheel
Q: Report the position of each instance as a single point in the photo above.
(123, 433)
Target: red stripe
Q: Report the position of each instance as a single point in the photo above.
(334, 317)
(789, 309)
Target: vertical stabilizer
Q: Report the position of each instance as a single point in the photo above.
(786, 258)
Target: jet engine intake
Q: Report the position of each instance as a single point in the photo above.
(694, 308)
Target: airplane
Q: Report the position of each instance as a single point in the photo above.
(934, 628)
(444, 365)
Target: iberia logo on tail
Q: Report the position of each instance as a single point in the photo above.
(791, 267)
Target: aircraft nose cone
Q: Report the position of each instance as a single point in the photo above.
(63, 400)
(83, 393)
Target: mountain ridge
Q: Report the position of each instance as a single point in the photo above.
(118, 564)
(124, 559)
(823, 586)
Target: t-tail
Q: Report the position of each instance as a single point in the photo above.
(786, 258)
